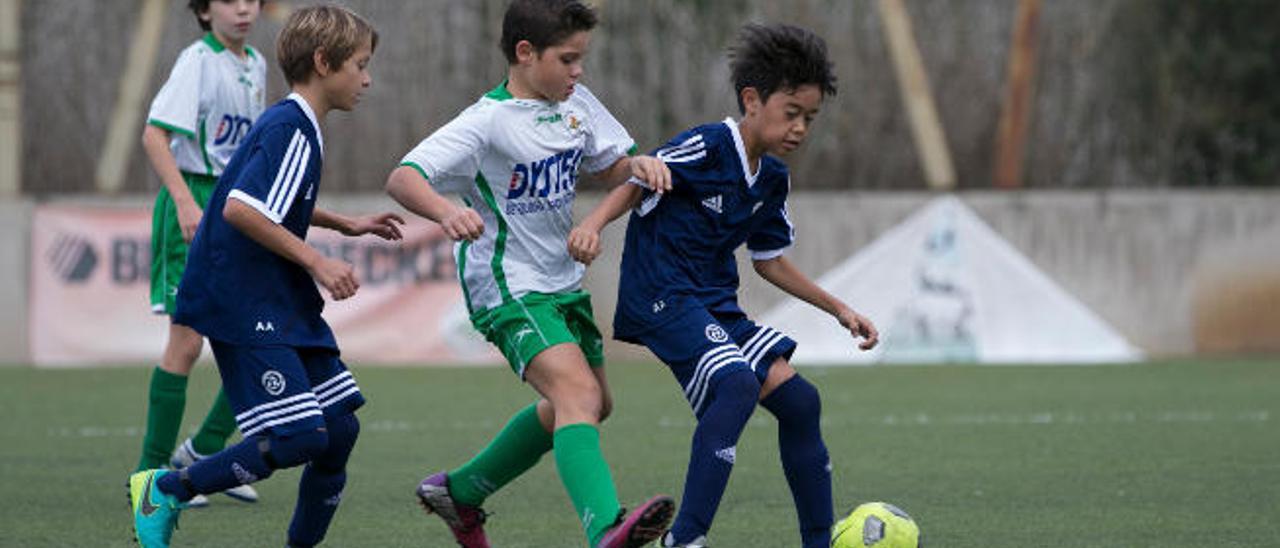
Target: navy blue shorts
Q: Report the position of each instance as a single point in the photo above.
(699, 347)
(283, 389)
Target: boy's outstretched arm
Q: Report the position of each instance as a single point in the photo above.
(653, 172)
(584, 239)
(627, 175)
(383, 225)
(410, 189)
(780, 272)
(334, 275)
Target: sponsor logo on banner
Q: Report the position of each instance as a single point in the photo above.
(89, 304)
(72, 258)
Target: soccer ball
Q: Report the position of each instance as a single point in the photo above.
(878, 525)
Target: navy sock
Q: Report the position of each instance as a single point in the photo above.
(242, 463)
(805, 461)
(320, 489)
(714, 449)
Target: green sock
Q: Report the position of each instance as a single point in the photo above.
(166, 400)
(218, 426)
(515, 449)
(587, 479)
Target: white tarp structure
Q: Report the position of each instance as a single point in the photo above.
(944, 287)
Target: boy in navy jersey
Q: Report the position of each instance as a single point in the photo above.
(678, 292)
(250, 288)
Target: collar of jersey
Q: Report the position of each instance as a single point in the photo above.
(500, 93)
(217, 46)
(311, 115)
(213, 42)
(742, 153)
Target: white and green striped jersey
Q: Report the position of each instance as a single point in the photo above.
(208, 103)
(516, 161)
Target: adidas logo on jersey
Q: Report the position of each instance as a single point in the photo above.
(714, 203)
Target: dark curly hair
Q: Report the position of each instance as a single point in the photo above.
(777, 57)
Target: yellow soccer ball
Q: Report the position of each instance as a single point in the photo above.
(876, 525)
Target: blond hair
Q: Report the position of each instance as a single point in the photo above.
(334, 30)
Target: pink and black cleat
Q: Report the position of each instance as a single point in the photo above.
(640, 527)
(465, 522)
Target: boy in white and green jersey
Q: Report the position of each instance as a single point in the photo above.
(514, 157)
(213, 94)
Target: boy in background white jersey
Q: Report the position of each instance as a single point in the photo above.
(214, 93)
(514, 157)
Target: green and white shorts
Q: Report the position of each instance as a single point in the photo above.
(168, 250)
(537, 321)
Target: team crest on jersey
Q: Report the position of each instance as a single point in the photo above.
(716, 334)
(273, 382)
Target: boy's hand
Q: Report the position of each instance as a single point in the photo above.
(859, 326)
(337, 276)
(189, 215)
(584, 244)
(383, 225)
(652, 171)
(463, 224)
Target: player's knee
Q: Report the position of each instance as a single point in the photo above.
(796, 399)
(606, 408)
(295, 449)
(343, 432)
(738, 390)
(579, 399)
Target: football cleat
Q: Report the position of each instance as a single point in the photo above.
(643, 525)
(155, 513)
(669, 541)
(464, 521)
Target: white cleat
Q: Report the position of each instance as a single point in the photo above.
(185, 456)
(667, 540)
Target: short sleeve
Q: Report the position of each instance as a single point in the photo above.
(176, 106)
(690, 157)
(274, 171)
(774, 233)
(450, 156)
(607, 141)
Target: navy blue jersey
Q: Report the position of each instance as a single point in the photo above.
(680, 245)
(235, 290)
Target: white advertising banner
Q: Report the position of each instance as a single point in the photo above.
(944, 287)
(90, 269)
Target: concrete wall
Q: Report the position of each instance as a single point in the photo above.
(1137, 258)
(15, 220)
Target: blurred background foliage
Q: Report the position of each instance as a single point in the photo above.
(1128, 93)
(1212, 73)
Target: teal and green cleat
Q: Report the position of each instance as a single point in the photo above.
(155, 514)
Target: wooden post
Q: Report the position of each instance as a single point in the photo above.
(10, 98)
(926, 127)
(1015, 116)
(123, 133)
